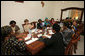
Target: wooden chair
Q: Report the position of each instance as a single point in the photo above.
(69, 49)
(23, 27)
(72, 46)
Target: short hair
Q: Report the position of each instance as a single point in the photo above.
(11, 22)
(39, 20)
(26, 20)
(66, 24)
(56, 27)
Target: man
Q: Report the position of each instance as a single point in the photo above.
(14, 27)
(67, 33)
(54, 45)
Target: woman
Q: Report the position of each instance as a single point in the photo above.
(32, 27)
(26, 25)
(40, 24)
(14, 27)
(46, 22)
(10, 44)
(74, 26)
(54, 45)
(52, 21)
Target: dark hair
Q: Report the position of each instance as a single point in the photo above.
(67, 17)
(66, 24)
(26, 20)
(39, 20)
(5, 31)
(11, 22)
(52, 19)
(56, 27)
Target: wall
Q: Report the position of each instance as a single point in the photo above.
(33, 10)
(60, 5)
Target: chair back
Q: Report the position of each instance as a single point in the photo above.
(69, 49)
(23, 27)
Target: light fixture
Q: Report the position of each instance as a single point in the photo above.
(76, 17)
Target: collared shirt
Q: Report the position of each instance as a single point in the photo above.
(67, 34)
(13, 28)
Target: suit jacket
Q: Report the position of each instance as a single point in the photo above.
(54, 45)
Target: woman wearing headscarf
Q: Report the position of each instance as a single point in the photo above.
(46, 22)
(10, 45)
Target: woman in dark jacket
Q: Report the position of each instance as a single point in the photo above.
(54, 45)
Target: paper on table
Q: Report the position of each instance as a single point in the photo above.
(50, 32)
(30, 41)
(28, 37)
(47, 36)
(33, 30)
(40, 31)
(39, 35)
(48, 27)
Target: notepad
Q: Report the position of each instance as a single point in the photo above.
(40, 31)
(33, 30)
(47, 36)
(50, 32)
(48, 27)
(28, 37)
(39, 35)
(31, 41)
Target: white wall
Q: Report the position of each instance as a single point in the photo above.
(60, 5)
(33, 10)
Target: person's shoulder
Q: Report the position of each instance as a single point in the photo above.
(38, 23)
(16, 25)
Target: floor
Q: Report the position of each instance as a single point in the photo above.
(80, 50)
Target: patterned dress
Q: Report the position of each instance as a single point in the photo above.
(13, 47)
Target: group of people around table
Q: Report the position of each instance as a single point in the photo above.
(53, 46)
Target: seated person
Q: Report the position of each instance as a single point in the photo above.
(66, 33)
(57, 22)
(32, 27)
(11, 45)
(27, 25)
(74, 26)
(46, 22)
(52, 21)
(54, 45)
(40, 24)
(14, 27)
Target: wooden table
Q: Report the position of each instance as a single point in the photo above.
(34, 47)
